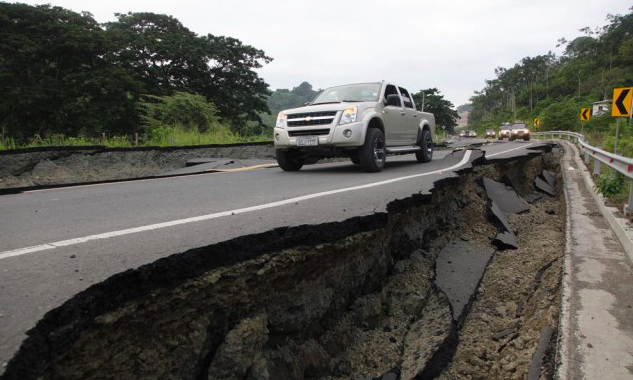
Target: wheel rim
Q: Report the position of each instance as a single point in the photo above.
(379, 151)
(429, 146)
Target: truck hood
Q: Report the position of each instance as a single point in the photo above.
(329, 107)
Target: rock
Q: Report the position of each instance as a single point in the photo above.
(389, 376)
(418, 257)
(502, 334)
(465, 238)
(426, 336)
(241, 350)
(399, 267)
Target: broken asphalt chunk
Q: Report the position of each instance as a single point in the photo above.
(505, 197)
(544, 186)
(459, 269)
(505, 240)
(533, 197)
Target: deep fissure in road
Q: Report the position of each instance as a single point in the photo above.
(361, 299)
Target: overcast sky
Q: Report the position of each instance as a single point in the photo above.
(451, 45)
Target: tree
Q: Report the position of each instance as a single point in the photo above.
(55, 77)
(438, 106)
(165, 56)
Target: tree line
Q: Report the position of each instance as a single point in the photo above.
(62, 72)
(555, 87)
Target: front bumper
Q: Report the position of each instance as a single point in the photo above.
(284, 139)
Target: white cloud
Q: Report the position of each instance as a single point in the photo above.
(451, 45)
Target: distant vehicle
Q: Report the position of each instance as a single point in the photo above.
(519, 131)
(490, 133)
(462, 134)
(505, 131)
(363, 121)
(471, 133)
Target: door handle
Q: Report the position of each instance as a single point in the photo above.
(415, 115)
(402, 113)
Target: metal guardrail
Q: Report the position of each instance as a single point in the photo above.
(621, 164)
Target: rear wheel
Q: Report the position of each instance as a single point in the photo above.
(289, 160)
(526, 138)
(372, 155)
(426, 143)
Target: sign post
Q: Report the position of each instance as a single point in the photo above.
(585, 114)
(622, 102)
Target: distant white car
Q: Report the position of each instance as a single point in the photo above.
(519, 131)
(505, 132)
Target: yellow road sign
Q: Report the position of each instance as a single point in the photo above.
(537, 122)
(622, 98)
(585, 113)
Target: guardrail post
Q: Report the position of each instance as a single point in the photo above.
(628, 208)
(596, 167)
(587, 158)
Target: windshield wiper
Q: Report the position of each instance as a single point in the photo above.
(352, 101)
(314, 104)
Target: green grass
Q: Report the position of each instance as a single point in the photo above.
(164, 137)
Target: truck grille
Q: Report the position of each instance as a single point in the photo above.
(311, 118)
(311, 132)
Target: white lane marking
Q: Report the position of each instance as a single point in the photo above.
(510, 150)
(106, 235)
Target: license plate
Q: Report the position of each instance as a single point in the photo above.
(308, 141)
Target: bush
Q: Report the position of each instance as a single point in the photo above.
(610, 185)
(189, 111)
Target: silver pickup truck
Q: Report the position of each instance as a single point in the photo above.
(364, 122)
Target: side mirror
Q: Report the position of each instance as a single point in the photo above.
(394, 100)
(307, 103)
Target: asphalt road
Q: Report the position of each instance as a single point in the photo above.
(55, 243)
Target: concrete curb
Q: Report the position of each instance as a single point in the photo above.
(617, 228)
(565, 320)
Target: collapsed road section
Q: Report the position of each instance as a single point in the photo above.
(416, 292)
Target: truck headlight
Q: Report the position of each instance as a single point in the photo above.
(282, 118)
(349, 116)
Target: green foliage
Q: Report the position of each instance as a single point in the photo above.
(438, 106)
(283, 99)
(611, 185)
(190, 111)
(55, 77)
(63, 73)
(555, 88)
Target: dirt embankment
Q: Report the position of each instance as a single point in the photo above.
(36, 167)
(352, 300)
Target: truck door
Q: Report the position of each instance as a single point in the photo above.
(410, 125)
(394, 118)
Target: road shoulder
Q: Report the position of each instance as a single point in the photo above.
(596, 331)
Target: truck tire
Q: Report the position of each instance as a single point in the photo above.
(511, 138)
(426, 143)
(526, 138)
(288, 160)
(372, 155)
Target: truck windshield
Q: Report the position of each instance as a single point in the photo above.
(364, 92)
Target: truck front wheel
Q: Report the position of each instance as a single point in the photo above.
(289, 160)
(372, 155)
(426, 143)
